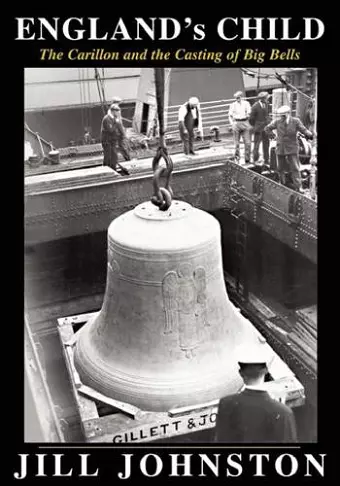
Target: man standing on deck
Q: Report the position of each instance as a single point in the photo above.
(189, 118)
(252, 415)
(113, 136)
(287, 147)
(259, 118)
(239, 112)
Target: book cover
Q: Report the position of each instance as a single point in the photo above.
(168, 213)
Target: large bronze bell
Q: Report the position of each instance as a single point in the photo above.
(167, 334)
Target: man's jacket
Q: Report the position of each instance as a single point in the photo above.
(111, 129)
(259, 116)
(253, 416)
(287, 143)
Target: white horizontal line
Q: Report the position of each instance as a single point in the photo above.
(169, 447)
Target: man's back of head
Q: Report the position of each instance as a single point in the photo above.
(253, 373)
(252, 415)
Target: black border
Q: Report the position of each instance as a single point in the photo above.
(314, 54)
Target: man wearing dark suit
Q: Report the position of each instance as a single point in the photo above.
(189, 118)
(287, 148)
(259, 119)
(252, 416)
(113, 136)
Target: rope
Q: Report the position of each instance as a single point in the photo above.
(291, 87)
(277, 76)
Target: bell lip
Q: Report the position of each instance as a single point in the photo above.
(160, 395)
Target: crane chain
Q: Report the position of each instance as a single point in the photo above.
(162, 196)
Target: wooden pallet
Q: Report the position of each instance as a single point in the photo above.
(104, 419)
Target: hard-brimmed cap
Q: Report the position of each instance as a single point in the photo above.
(283, 109)
(116, 99)
(193, 101)
(263, 94)
(237, 94)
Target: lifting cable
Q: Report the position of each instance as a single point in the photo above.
(162, 196)
(258, 80)
(102, 85)
(96, 75)
(89, 114)
(85, 98)
(291, 87)
(81, 96)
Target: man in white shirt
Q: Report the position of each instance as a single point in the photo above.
(189, 118)
(239, 112)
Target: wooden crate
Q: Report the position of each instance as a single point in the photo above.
(104, 419)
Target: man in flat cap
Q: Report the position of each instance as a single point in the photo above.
(189, 118)
(113, 136)
(116, 100)
(287, 147)
(259, 118)
(239, 113)
(252, 415)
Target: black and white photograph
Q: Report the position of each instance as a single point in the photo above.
(170, 255)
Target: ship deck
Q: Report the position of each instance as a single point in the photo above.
(82, 157)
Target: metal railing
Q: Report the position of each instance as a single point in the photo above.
(213, 113)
